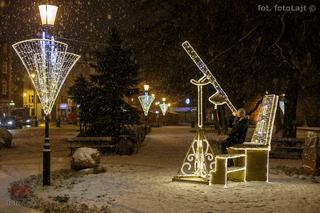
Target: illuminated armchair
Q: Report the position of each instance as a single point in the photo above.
(257, 150)
(251, 159)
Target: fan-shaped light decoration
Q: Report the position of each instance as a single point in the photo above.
(220, 97)
(50, 63)
(146, 101)
(164, 108)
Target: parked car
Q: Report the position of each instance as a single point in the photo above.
(25, 121)
(10, 122)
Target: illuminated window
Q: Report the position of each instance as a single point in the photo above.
(30, 98)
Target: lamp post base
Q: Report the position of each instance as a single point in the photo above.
(46, 155)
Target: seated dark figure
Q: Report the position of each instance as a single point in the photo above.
(238, 132)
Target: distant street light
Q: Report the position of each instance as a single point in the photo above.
(146, 101)
(164, 106)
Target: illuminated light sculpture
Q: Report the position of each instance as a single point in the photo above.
(48, 64)
(199, 160)
(220, 97)
(251, 159)
(164, 106)
(146, 100)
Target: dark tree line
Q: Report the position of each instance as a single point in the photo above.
(250, 52)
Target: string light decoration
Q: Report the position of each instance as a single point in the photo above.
(257, 150)
(220, 97)
(50, 63)
(146, 100)
(164, 106)
(263, 131)
(199, 160)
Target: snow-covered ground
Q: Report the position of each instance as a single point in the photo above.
(142, 182)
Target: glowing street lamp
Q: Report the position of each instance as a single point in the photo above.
(48, 64)
(48, 14)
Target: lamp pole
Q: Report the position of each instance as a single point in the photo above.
(51, 63)
(48, 14)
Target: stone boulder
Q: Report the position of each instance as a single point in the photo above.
(84, 158)
(5, 138)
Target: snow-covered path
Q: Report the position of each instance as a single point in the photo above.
(142, 183)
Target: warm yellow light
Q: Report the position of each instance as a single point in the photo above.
(146, 87)
(48, 14)
(33, 75)
(157, 103)
(153, 95)
(24, 94)
(164, 99)
(169, 105)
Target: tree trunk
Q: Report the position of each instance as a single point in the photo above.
(290, 117)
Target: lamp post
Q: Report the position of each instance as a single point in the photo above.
(50, 63)
(48, 15)
(146, 101)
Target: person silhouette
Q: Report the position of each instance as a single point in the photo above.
(238, 132)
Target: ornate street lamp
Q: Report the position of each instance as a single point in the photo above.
(146, 101)
(48, 14)
(48, 64)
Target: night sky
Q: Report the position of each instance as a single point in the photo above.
(84, 25)
(155, 29)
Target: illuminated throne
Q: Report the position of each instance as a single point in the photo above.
(251, 159)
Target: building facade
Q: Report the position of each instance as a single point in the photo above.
(5, 78)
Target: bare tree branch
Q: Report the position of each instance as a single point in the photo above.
(232, 46)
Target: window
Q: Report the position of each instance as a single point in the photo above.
(30, 98)
(4, 87)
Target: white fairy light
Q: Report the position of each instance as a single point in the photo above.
(220, 97)
(50, 63)
(261, 139)
(164, 108)
(263, 131)
(199, 160)
(146, 101)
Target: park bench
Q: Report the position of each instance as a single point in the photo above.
(134, 133)
(251, 159)
(91, 142)
(287, 148)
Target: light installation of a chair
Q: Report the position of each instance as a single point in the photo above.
(199, 160)
(251, 159)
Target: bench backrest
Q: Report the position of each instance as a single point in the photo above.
(263, 132)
